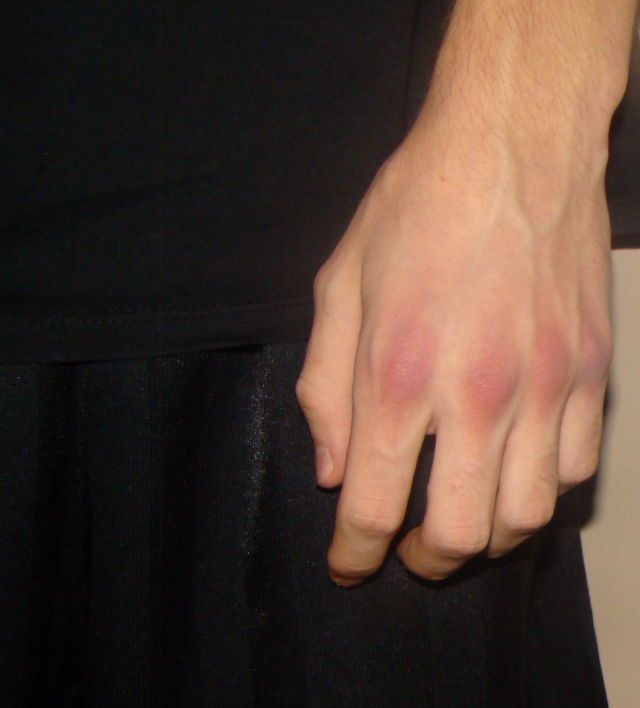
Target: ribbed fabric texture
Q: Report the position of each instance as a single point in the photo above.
(163, 544)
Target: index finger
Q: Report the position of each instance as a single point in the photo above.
(389, 423)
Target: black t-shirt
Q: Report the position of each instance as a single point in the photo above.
(174, 173)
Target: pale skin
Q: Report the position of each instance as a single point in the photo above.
(470, 297)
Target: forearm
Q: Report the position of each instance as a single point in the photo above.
(549, 51)
(529, 82)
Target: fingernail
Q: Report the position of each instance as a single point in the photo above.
(344, 582)
(324, 464)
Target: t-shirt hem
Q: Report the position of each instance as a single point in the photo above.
(125, 335)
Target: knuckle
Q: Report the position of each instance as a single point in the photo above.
(581, 472)
(350, 567)
(460, 542)
(581, 463)
(552, 365)
(307, 393)
(399, 368)
(373, 522)
(528, 519)
(327, 283)
(431, 570)
(596, 353)
(490, 381)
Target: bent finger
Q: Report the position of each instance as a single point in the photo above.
(528, 487)
(581, 435)
(460, 501)
(390, 420)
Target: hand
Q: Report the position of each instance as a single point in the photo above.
(451, 308)
(470, 299)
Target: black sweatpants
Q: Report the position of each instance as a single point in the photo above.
(163, 544)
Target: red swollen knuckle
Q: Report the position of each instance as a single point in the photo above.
(400, 370)
(489, 383)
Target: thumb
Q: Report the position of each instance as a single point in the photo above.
(325, 383)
